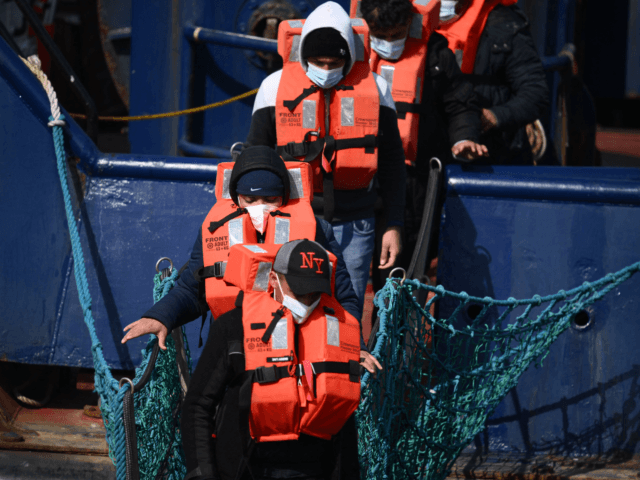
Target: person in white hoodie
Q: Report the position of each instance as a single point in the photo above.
(327, 68)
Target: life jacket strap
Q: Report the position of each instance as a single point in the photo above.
(329, 196)
(278, 213)
(213, 226)
(270, 374)
(212, 271)
(403, 107)
(368, 142)
(274, 373)
(310, 150)
(277, 315)
(292, 104)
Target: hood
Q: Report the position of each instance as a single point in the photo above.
(332, 15)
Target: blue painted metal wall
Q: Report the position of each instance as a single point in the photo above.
(170, 71)
(136, 209)
(517, 232)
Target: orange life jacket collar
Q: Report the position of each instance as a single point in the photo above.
(464, 33)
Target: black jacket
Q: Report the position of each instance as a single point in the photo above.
(181, 305)
(211, 407)
(510, 81)
(450, 111)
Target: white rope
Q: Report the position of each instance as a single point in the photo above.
(34, 64)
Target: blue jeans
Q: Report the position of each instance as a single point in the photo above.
(357, 238)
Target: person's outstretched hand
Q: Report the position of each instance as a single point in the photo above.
(391, 247)
(369, 362)
(146, 326)
(468, 150)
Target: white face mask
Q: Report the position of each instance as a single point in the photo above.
(447, 10)
(259, 215)
(388, 50)
(324, 78)
(299, 310)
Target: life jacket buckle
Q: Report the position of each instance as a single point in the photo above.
(265, 374)
(219, 269)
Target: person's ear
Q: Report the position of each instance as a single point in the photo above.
(273, 280)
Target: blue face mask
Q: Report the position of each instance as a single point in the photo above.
(388, 50)
(324, 78)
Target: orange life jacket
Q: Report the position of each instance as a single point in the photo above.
(312, 390)
(349, 144)
(405, 76)
(464, 34)
(227, 225)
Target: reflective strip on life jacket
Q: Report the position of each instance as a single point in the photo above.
(464, 34)
(405, 76)
(290, 222)
(342, 143)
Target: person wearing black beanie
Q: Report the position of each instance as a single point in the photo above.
(326, 42)
(326, 91)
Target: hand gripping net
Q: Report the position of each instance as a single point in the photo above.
(442, 378)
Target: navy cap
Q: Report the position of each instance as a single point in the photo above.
(260, 183)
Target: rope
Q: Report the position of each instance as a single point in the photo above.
(158, 405)
(170, 114)
(34, 64)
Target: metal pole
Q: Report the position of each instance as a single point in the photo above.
(234, 40)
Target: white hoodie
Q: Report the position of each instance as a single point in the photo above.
(329, 14)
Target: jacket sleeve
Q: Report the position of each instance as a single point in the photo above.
(453, 91)
(344, 292)
(181, 305)
(391, 169)
(207, 388)
(262, 130)
(526, 79)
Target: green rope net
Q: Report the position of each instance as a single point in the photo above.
(443, 378)
(157, 408)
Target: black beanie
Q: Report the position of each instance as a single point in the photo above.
(325, 42)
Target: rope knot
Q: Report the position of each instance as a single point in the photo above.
(56, 123)
(35, 61)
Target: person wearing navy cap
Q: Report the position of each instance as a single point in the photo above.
(258, 178)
